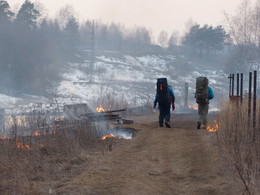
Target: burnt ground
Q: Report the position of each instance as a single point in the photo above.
(180, 160)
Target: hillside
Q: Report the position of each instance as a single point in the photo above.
(132, 78)
(127, 80)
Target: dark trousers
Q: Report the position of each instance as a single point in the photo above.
(165, 112)
(203, 113)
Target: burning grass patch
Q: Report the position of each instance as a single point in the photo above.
(30, 160)
(36, 154)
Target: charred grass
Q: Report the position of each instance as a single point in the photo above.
(36, 163)
(239, 143)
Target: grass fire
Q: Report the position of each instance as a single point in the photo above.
(214, 127)
(23, 146)
(109, 136)
(193, 107)
(100, 109)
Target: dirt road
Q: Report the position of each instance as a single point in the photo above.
(179, 160)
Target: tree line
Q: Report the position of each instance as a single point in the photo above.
(244, 30)
(35, 49)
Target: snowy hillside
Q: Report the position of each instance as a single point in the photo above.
(129, 80)
(133, 78)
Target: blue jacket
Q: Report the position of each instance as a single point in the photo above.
(171, 96)
(210, 93)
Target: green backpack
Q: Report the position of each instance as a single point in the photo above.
(202, 90)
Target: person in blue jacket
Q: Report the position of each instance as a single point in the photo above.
(203, 110)
(165, 108)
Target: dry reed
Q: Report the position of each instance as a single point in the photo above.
(38, 150)
(238, 138)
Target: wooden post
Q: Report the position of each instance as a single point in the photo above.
(186, 95)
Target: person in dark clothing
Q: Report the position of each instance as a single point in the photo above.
(165, 108)
(203, 110)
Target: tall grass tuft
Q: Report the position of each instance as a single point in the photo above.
(36, 150)
(239, 143)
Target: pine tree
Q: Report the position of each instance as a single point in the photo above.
(28, 15)
(71, 32)
(5, 13)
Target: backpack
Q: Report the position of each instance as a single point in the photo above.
(202, 90)
(162, 90)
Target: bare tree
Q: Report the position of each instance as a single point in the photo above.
(256, 23)
(244, 30)
(244, 26)
(163, 39)
(174, 39)
(64, 15)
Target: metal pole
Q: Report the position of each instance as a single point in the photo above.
(241, 86)
(233, 80)
(230, 77)
(254, 101)
(237, 84)
(249, 97)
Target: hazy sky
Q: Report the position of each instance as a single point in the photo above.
(156, 15)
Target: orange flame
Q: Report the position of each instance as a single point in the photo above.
(23, 146)
(36, 133)
(110, 135)
(214, 127)
(107, 136)
(3, 137)
(193, 107)
(100, 109)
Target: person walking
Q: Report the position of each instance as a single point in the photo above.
(165, 98)
(203, 94)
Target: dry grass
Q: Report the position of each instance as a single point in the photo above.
(38, 151)
(111, 102)
(239, 144)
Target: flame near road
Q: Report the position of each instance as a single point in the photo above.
(214, 127)
(109, 136)
(23, 146)
(193, 107)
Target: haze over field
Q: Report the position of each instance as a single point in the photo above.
(80, 55)
(64, 61)
(168, 15)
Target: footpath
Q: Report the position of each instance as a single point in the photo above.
(158, 161)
